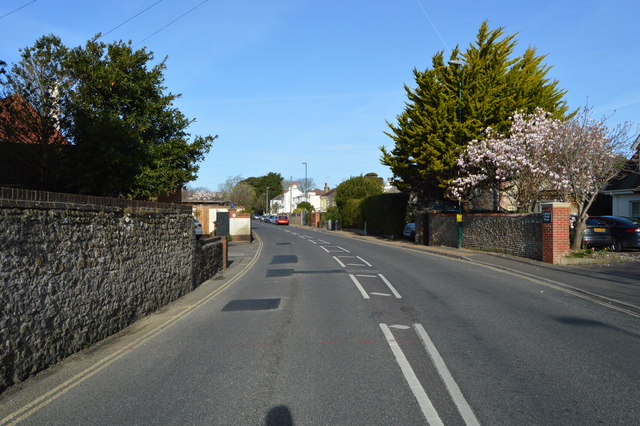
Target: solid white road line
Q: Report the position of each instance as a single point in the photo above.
(338, 260)
(456, 395)
(393, 290)
(323, 248)
(365, 262)
(343, 249)
(355, 281)
(426, 406)
(367, 276)
(381, 294)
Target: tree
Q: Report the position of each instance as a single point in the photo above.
(31, 110)
(302, 185)
(243, 195)
(116, 93)
(124, 135)
(273, 181)
(574, 158)
(586, 176)
(225, 189)
(306, 206)
(357, 187)
(200, 193)
(436, 125)
(237, 191)
(516, 167)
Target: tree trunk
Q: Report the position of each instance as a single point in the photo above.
(576, 241)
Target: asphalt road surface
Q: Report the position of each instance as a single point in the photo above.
(319, 329)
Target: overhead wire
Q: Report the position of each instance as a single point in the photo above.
(134, 16)
(433, 25)
(15, 10)
(179, 17)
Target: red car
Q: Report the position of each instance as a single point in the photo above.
(282, 220)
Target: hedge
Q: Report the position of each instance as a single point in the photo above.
(385, 214)
(351, 214)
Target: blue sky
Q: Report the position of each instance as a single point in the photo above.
(291, 81)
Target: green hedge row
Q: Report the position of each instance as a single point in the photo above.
(351, 213)
(384, 214)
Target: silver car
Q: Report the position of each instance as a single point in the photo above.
(197, 227)
(410, 231)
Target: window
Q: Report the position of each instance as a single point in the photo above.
(635, 208)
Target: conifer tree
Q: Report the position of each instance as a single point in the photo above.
(453, 104)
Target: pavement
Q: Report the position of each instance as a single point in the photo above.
(614, 280)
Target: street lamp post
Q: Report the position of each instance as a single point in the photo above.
(266, 202)
(458, 64)
(306, 191)
(305, 181)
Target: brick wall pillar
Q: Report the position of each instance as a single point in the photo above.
(555, 231)
(225, 253)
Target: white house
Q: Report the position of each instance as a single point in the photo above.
(287, 202)
(625, 188)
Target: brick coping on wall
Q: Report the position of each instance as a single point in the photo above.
(26, 198)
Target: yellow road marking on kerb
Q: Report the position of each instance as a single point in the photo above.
(35, 405)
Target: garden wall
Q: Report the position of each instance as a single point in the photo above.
(74, 270)
(514, 234)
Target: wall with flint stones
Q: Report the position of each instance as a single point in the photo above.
(513, 234)
(74, 270)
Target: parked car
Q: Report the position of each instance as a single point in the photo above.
(256, 216)
(410, 230)
(282, 220)
(625, 231)
(197, 227)
(597, 234)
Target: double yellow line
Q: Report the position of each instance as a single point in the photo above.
(35, 405)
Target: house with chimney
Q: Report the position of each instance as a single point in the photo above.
(320, 199)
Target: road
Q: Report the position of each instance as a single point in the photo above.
(319, 329)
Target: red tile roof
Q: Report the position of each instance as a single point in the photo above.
(18, 119)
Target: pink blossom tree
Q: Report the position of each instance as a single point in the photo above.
(517, 166)
(572, 160)
(588, 155)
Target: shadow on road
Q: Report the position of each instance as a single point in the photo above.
(581, 322)
(279, 416)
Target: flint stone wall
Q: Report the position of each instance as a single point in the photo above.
(514, 234)
(73, 274)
